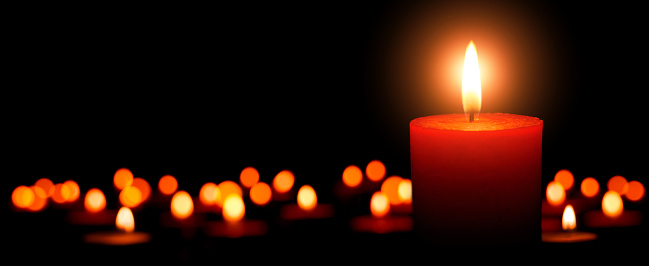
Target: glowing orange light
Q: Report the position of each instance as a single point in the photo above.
(210, 194)
(618, 184)
(47, 186)
(95, 200)
(260, 193)
(555, 193)
(249, 176)
(566, 178)
(123, 178)
(306, 198)
(143, 186)
(405, 191)
(352, 176)
(39, 202)
(390, 188)
(379, 204)
(589, 187)
(182, 205)
(283, 181)
(471, 88)
(375, 170)
(74, 190)
(130, 196)
(61, 193)
(167, 185)
(124, 221)
(635, 192)
(228, 187)
(22, 197)
(612, 205)
(568, 220)
(233, 208)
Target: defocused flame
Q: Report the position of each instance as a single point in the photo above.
(39, 202)
(233, 208)
(22, 197)
(249, 176)
(210, 194)
(635, 192)
(61, 193)
(306, 198)
(95, 200)
(74, 191)
(379, 204)
(130, 196)
(612, 205)
(352, 176)
(283, 181)
(566, 178)
(167, 185)
(228, 187)
(260, 193)
(618, 184)
(568, 220)
(589, 187)
(390, 188)
(405, 191)
(124, 221)
(555, 193)
(143, 186)
(182, 205)
(122, 178)
(47, 186)
(471, 88)
(375, 170)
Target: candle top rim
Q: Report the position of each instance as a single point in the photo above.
(484, 122)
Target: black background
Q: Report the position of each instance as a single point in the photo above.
(200, 92)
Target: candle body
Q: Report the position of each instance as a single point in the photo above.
(476, 183)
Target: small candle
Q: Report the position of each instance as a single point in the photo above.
(569, 233)
(94, 212)
(126, 235)
(612, 213)
(380, 222)
(234, 224)
(307, 206)
(181, 213)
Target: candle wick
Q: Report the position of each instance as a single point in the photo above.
(471, 117)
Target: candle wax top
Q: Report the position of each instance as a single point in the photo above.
(483, 122)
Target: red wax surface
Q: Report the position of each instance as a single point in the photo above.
(117, 238)
(294, 212)
(476, 183)
(243, 228)
(597, 219)
(104, 217)
(384, 225)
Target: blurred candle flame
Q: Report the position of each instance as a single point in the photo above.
(471, 88)
(124, 220)
(379, 204)
(568, 220)
(612, 205)
(233, 208)
(182, 205)
(306, 198)
(95, 200)
(555, 193)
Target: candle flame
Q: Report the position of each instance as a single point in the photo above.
(124, 220)
(555, 193)
(95, 200)
(182, 205)
(612, 205)
(233, 208)
(379, 204)
(306, 198)
(471, 89)
(568, 220)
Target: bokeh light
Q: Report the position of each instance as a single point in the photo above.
(74, 190)
(618, 184)
(47, 186)
(39, 202)
(22, 197)
(379, 204)
(555, 194)
(61, 193)
(130, 196)
(167, 185)
(122, 178)
(182, 205)
(124, 220)
(283, 181)
(352, 176)
(612, 205)
(249, 176)
(565, 178)
(260, 193)
(390, 188)
(233, 208)
(405, 190)
(375, 170)
(210, 194)
(228, 187)
(143, 186)
(307, 198)
(95, 201)
(589, 187)
(635, 192)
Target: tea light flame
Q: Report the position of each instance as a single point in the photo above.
(471, 88)
(124, 221)
(306, 198)
(612, 205)
(568, 220)
(95, 200)
(233, 208)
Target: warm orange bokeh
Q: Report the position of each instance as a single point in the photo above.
(182, 205)
(61, 193)
(612, 205)
(167, 185)
(307, 198)
(568, 220)
(566, 178)
(210, 194)
(405, 191)
(233, 208)
(618, 184)
(555, 193)
(283, 181)
(95, 200)
(249, 176)
(589, 187)
(228, 187)
(39, 202)
(390, 188)
(47, 186)
(130, 196)
(352, 176)
(22, 197)
(75, 192)
(379, 204)
(260, 193)
(124, 221)
(123, 178)
(636, 191)
(375, 170)
(143, 186)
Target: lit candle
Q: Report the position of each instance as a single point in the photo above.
(476, 177)
(182, 214)
(125, 235)
(94, 212)
(307, 206)
(380, 222)
(234, 225)
(569, 233)
(612, 213)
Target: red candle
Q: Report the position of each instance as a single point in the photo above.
(476, 177)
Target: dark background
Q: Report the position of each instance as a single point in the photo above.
(200, 92)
